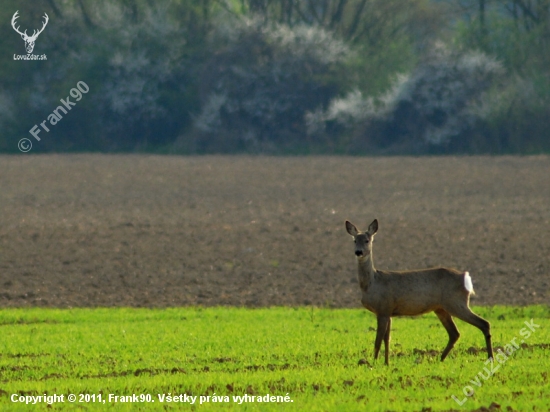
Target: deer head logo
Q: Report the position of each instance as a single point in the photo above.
(29, 40)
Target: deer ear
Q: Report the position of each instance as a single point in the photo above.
(373, 227)
(352, 230)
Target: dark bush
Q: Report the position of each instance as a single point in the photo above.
(436, 106)
(257, 88)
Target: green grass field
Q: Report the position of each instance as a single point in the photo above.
(311, 356)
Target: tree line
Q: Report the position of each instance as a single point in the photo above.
(281, 76)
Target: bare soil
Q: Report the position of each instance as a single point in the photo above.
(136, 230)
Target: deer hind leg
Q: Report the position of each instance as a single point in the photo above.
(465, 313)
(451, 328)
(382, 327)
(387, 342)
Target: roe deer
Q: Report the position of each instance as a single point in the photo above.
(413, 292)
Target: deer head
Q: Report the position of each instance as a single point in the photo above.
(29, 40)
(363, 240)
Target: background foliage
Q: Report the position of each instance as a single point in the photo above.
(281, 76)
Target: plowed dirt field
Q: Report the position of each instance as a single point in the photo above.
(136, 230)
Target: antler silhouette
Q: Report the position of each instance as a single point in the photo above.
(29, 40)
(15, 17)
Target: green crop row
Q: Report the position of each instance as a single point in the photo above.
(291, 359)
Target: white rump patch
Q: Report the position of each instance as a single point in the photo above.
(468, 283)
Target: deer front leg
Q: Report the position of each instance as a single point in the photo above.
(383, 323)
(387, 341)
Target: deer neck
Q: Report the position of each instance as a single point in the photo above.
(366, 271)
